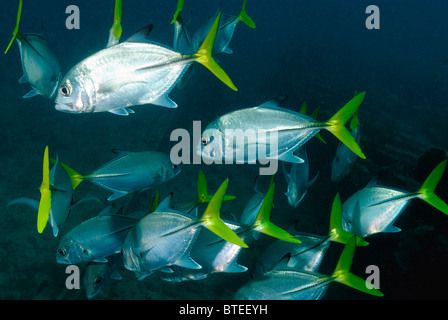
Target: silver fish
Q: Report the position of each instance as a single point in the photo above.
(41, 68)
(302, 285)
(276, 131)
(226, 29)
(129, 74)
(95, 239)
(298, 178)
(375, 208)
(129, 172)
(97, 275)
(164, 237)
(344, 159)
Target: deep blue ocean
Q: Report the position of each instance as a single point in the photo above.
(319, 51)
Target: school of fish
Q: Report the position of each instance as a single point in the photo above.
(190, 241)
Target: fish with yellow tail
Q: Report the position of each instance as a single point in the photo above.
(164, 238)
(43, 213)
(129, 74)
(375, 208)
(302, 285)
(290, 129)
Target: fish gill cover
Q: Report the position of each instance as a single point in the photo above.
(319, 51)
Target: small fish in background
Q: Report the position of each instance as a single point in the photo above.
(375, 208)
(302, 285)
(225, 32)
(41, 68)
(292, 129)
(97, 275)
(164, 238)
(129, 74)
(298, 178)
(215, 255)
(345, 159)
(129, 172)
(61, 201)
(308, 255)
(97, 238)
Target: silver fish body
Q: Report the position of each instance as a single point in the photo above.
(41, 68)
(285, 285)
(134, 171)
(344, 159)
(282, 255)
(374, 209)
(159, 240)
(298, 179)
(121, 76)
(278, 131)
(213, 254)
(95, 239)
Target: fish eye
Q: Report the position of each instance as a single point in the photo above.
(174, 166)
(65, 90)
(62, 252)
(98, 281)
(205, 140)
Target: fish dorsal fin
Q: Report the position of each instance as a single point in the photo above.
(165, 204)
(141, 35)
(274, 103)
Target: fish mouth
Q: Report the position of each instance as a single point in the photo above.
(64, 108)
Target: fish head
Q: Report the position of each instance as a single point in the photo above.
(95, 278)
(76, 93)
(210, 146)
(72, 252)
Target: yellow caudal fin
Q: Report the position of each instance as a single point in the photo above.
(116, 27)
(336, 233)
(336, 124)
(203, 195)
(342, 271)
(204, 56)
(180, 5)
(75, 177)
(263, 224)
(16, 29)
(426, 191)
(43, 213)
(244, 17)
(211, 220)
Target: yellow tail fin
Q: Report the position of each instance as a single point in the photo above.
(75, 177)
(16, 29)
(211, 220)
(336, 124)
(245, 18)
(204, 56)
(43, 213)
(426, 191)
(116, 27)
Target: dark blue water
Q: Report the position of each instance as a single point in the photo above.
(320, 51)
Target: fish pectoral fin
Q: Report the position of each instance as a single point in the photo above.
(185, 261)
(290, 157)
(115, 84)
(23, 79)
(164, 101)
(116, 195)
(31, 94)
(122, 111)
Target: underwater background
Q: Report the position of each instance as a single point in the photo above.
(318, 51)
